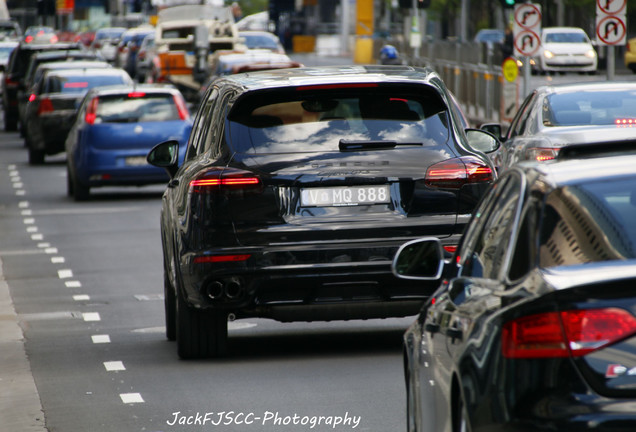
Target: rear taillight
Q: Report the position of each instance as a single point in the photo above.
(10, 82)
(91, 111)
(45, 106)
(541, 154)
(561, 334)
(181, 107)
(454, 173)
(224, 179)
(221, 258)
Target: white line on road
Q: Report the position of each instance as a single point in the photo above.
(73, 284)
(131, 398)
(100, 339)
(91, 316)
(112, 366)
(65, 274)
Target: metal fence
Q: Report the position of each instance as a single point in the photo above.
(472, 71)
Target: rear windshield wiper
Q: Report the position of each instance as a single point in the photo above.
(354, 145)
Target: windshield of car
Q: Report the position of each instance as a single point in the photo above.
(136, 107)
(317, 121)
(589, 222)
(566, 38)
(80, 83)
(591, 107)
(254, 41)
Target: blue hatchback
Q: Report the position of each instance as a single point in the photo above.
(115, 129)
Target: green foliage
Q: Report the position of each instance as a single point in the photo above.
(250, 7)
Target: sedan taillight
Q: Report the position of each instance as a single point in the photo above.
(45, 106)
(541, 154)
(561, 334)
(454, 173)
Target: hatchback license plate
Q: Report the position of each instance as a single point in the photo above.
(344, 196)
(136, 161)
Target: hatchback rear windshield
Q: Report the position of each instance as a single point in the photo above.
(78, 84)
(135, 108)
(304, 121)
(589, 222)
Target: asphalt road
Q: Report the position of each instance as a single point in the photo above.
(82, 345)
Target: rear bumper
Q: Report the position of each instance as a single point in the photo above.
(309, 282)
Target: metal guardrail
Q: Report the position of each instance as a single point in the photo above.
(472, 71)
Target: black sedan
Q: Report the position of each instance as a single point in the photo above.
(555, 116)
(53, 103)
(297, 188)
(534, 325)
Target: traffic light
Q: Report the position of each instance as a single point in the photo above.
(408, 4)
(508, 3)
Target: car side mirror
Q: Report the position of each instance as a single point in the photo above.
(421, 259)
(482, 140)
(165, 155)
(493, 128)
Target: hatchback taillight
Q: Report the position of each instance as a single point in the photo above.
(91, 111)
(45, 106)
(454, 173)
(181, 107)
(561, 334)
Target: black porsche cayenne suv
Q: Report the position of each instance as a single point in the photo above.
(297, 189)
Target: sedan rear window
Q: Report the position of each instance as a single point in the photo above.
(318, 121)
(590, 107)
(133, 108)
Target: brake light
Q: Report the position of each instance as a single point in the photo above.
(336, 86)
(78, 84)
(625, 122)
(217, 179)
(450, 248)
(91, 111)
(133, 95)
(28, 39)
(454, 173)
(561, 334)
(45, 106)
(181, 107)
(221, 258)
(541, 154)
(32, 97)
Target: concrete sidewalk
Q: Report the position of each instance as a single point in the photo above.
(20, 407)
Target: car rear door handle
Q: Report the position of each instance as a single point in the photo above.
(454, 333)
(431, 327)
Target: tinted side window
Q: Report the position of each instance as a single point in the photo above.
(201, 124)
(487, 250)
(589, 223)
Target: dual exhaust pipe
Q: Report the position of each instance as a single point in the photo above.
(230, 289)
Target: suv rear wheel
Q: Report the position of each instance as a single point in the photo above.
(200, 333)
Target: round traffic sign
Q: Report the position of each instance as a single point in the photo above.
(611, 7)
(611, 30)
(527, 15)
(510, 69)
(527, 43)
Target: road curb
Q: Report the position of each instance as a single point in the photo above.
(20, 406)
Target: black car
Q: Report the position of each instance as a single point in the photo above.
(533, 327)
(297, 188)
(14, 75)
(48, 57)
(53, 104)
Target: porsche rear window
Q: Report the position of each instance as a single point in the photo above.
(132, 109)
(318, 121)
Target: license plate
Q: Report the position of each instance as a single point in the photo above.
(344, 196)
(136, 161)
